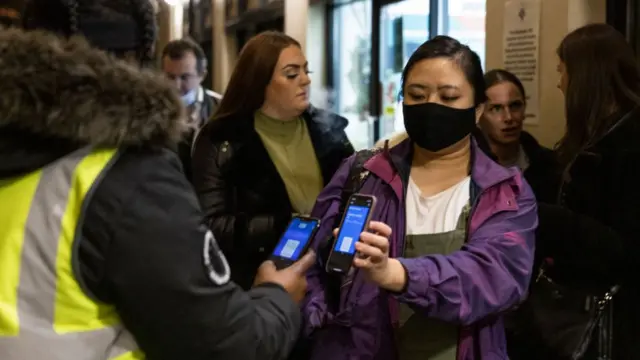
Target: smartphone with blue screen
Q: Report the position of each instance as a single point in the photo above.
(355, 220)
(295, 241)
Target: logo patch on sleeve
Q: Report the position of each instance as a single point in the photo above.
(215, 262)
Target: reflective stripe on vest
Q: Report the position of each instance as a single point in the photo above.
(44, 312)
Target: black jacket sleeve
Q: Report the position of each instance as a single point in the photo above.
(212, 180)
(162, 290)
(623, 212)
(582, 248)
(603, 248)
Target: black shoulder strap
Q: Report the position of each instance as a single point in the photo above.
(356, 177)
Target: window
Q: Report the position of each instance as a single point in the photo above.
(403, 26)
(351, 69)
(464, 20)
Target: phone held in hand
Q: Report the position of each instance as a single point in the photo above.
(295, 241)
(354, 221)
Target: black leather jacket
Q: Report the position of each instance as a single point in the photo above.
(240, 191)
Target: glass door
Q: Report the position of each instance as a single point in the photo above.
(464, 21)
(404, 25)
(351, 64)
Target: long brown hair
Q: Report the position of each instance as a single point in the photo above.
(253, 72)
(603, 82)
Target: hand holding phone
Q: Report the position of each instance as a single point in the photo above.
(293, 278)
(374, 260)
(355, 220)
(295, 241)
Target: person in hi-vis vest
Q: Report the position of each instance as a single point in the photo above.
(103, 254)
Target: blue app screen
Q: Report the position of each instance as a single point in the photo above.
(295, 238)
(352, 227)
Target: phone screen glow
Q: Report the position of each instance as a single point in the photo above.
(295, 238)
(352, 226)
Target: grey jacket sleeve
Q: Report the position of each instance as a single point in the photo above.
(168, 280)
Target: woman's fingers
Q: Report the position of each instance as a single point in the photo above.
(375, 240)
(361, 263)
(376, 227)
(372, 253)
(380, 228)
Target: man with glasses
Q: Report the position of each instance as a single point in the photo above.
(184, 63)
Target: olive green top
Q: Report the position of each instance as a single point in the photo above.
(419, 337)
(290, 148)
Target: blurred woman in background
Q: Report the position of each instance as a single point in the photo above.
(589, 241)
(502, 123)
(600, 159)
(266, 154)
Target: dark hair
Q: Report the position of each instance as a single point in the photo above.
(177, 49)
(497, 76)
(100, 21)
(603, 81)
(446, 47)
(252, 73)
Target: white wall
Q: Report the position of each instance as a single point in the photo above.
(296, 20)
(557, 18)
(316, 54)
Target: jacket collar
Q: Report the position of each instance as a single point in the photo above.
(326, 129)
(623, 135)
(393, 164)
(536, 153)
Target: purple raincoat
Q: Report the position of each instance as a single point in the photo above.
(470, 287)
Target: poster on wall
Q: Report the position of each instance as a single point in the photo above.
(522, 50)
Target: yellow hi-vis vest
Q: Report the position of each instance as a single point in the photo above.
(44, 312)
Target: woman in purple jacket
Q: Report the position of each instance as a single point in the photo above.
(451, 244)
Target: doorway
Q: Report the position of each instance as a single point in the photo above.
(371, 42)
(404, 25)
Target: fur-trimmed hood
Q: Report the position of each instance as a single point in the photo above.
(65, 90)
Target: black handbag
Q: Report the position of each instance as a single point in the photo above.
(561, 321)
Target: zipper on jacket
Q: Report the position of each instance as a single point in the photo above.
(474, 205)
(405, 188)
(472, 329)
(406, 227)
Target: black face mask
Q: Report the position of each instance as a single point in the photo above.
(434, 127)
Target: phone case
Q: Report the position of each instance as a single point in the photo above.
(371, 208)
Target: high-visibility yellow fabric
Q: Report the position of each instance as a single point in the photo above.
(74, 311)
